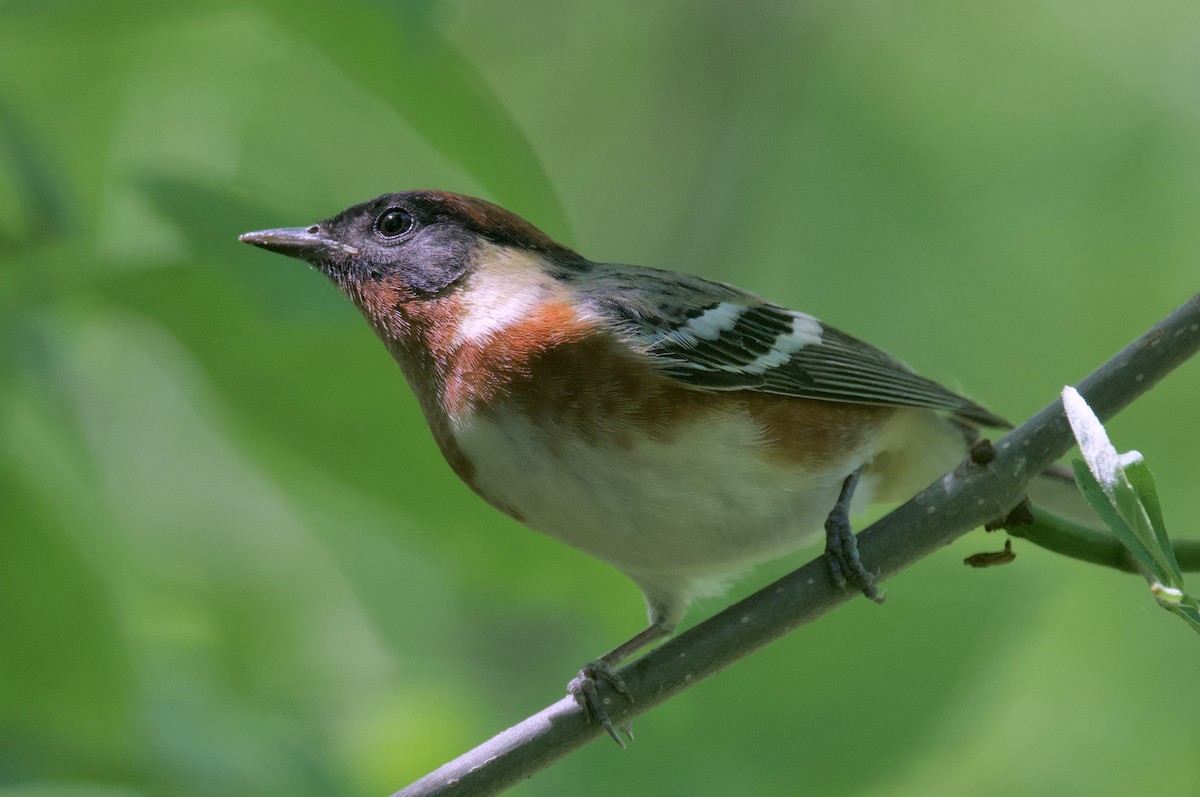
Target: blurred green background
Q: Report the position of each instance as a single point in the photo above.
(232, 561)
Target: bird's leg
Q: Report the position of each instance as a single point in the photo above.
(583, 686)
(841, 547)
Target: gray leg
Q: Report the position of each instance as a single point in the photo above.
(583, 686)
(842, 549)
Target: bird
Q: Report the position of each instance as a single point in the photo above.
(677, 428)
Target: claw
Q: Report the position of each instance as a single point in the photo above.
(846, 567)
(583, 688)
(841, 548)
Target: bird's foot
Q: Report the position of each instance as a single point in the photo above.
(583, 688)
(845, 564)
(841, 547)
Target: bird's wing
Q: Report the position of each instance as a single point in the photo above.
(713, 336)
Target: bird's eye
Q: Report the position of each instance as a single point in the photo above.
(393, 223)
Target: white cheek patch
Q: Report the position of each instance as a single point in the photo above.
(503, 292)
(500, 311)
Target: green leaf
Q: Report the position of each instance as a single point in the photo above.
(1178, 602)
(1108, 468)
(1142, 480)
(1094, 494)
(1122, 491)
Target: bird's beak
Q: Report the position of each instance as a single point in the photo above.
(305, 243)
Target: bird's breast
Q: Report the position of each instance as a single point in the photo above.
(591, 445)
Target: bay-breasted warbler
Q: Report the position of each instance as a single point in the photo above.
(678, 428)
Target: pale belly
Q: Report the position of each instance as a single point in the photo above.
(678, 516)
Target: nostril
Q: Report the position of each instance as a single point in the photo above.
(313, 230)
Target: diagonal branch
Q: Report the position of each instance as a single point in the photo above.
(952, 506)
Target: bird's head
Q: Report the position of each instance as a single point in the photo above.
(412, 246)
(433, 272)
